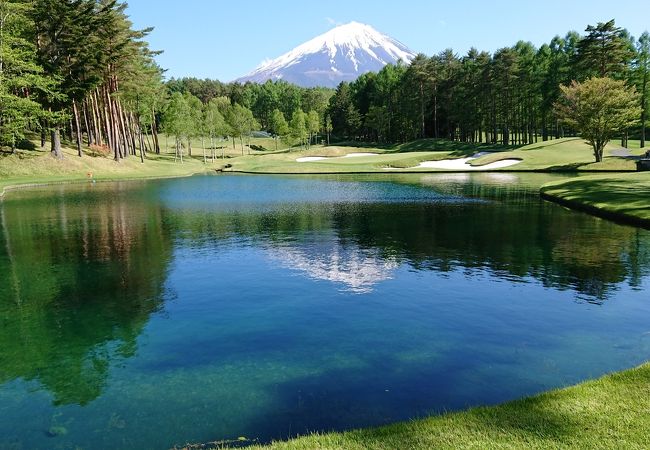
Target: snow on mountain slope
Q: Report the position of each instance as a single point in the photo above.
(342, 54)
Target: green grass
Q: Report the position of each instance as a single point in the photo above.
(38, 167)
(612, 412)
(564, 154)
(570, 154)
(621, 196)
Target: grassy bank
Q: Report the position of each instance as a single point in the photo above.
(557, 155)
(611, 412)
(621, 197)
(38, 167)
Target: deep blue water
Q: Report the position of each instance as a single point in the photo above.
(151, 314)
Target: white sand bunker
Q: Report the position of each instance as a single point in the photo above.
(463, 164)
(321, 158)
(311, 158)
(358, 155)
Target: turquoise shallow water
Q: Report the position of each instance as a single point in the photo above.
(151, 314)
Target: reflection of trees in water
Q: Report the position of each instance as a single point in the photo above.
(82, 274)
(518, 237)
(561, 249)
(84, 278)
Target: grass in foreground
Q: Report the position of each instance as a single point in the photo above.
(624, 196)
(611, 412)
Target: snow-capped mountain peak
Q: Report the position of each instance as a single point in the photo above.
(342, 54)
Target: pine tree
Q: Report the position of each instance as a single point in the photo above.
(642, 76)
(604, 51)
(21, 77)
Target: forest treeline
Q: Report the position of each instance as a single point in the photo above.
(78, 68)
(508, 97)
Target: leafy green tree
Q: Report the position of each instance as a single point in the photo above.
(20, 75)
(598, 109)
(328, 127)
(194, 120)
(278, 126)
(215, 124)
(67, 44)
(241, 122)
(376, 120)
(313, 124)
(298, 127)
(353, 120)
(178, 122)
(421, 78)
(316, 99)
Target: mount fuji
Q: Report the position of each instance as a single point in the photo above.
(342, 54)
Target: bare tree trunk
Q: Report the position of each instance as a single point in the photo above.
(77, 124)
(89, 131)
(644, 108)
(154, 131)
(56, 143)
(97, 118)
(122, 127)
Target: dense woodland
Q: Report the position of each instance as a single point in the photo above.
(506, 97)
(77, 69)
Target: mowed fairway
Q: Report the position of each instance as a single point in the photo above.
(570, 154)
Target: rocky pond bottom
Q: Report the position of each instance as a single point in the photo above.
(151, 314)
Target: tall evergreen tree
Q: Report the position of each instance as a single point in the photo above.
(642, 78)
(604, 51)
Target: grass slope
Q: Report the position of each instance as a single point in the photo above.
(558, 155)
(38, 167)
(611, 412)
(624, 197)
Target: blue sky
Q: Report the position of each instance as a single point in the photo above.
(227, 39)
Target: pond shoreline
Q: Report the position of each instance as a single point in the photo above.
(75, 179)
(400, 171)
(604, 413)
(155, 212)
(32, 184)
(620, 218)
(621, 199)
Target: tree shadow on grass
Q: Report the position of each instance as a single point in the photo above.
(572, 167)
(433, 145)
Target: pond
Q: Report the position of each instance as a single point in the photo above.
(152, 314)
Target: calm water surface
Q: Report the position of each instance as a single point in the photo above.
(151, 314)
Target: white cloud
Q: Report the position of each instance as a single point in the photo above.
(332, 22)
